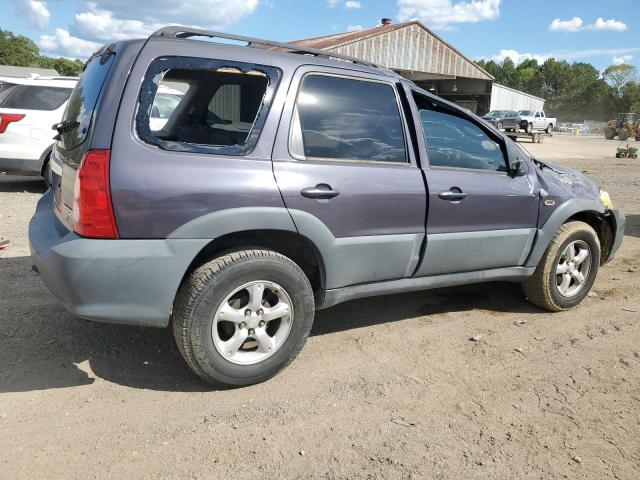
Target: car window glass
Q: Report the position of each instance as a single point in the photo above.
(339, 118)
(205, 106)
(455, 142)
(33, 97)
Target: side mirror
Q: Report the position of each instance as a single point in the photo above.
(516, 167)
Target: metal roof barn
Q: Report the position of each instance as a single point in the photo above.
(416, 53)
(505, 98)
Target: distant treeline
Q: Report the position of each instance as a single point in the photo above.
(21, 51)
(573, 92)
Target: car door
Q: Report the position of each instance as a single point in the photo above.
(345, 166)
(479, 217)
(538, 121)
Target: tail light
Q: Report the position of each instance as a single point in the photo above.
(93, 215)
(7, 118)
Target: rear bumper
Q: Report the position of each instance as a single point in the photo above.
(618, 222)
(23, 166)
(115, 281)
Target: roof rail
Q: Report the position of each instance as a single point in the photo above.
(186, 32)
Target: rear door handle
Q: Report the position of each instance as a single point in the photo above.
(320, 191)
(452, 195)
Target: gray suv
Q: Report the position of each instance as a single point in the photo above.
(286, 180)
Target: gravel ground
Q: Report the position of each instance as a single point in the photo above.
(389, 387)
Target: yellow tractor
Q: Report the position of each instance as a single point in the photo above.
(624, 126)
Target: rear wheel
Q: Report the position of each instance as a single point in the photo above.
(609, 134)
(566, 272)
(242, 317)
(623, 134)
(46, 173)
(549, 128)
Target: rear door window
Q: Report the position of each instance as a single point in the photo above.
(82, 103)
(32, 97)
(339, 118)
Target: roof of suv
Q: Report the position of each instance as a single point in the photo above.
(288, 51)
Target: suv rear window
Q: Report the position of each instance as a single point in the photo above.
(32, 97)
(82, 102)
(220, 109)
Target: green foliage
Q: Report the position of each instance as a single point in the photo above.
(21, 51)
(573, 92)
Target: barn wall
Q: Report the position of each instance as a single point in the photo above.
(504, 98)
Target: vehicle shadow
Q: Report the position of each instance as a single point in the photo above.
(43, 347)
(632, 228)
(13, 184)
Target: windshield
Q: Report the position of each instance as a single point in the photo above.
(32, 97)
(526, 113)
(495, 113)
(79, 111)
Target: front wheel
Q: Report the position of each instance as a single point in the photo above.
(47, 175)
(242, 317)
(566, 272)
(529, 127)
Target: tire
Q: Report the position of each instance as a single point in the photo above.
(529, 127)
(204, 293)
(623, 134)
(46, 173)
(549, 129)
(499, 126)
(542, 287)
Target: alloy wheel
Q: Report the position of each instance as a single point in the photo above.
(572, 270)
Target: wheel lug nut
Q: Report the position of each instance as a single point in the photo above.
(251, 331)
(261, 324)
(242, 325)
(260, 312)
(247, 312)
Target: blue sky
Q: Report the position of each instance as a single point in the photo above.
(596, 31)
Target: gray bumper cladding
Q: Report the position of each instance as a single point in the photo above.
(618, 224)
(116, 281)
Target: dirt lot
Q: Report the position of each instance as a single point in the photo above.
(385, 388)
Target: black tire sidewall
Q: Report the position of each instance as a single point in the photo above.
(591, 240)
(205, 352)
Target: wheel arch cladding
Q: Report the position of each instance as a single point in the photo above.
(573, 209)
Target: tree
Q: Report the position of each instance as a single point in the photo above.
(18, 50)
(619, 75)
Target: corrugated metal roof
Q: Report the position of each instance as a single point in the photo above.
(26, 72)
(402, 46)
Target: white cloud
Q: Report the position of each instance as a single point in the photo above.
(613, 25)
(442, 14)
(352, 4)
(354, 28)
(333, 3)
(572, 25)
(34, 11)
(104, 26)
(621, 59)
(518, 57)
(576, 24)
(66, 45)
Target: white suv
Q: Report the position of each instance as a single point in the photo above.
(28, 109)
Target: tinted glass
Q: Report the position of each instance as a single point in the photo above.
(346, 119)
(79, 111)
(525, 113)
(165, 104)
(455, 142)
(33, 97)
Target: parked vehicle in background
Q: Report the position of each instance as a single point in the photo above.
(624, 126)
(536, 120)
(28, 108)
(166, 101)
(503, 119)
(284, 181)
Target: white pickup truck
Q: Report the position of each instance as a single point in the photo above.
(531, 120)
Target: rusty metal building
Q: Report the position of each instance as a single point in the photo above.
(419, 54)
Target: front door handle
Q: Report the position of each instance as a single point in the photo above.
(453, 195)
(322, 191)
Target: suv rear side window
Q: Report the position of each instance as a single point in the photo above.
(221, 108)
(33, 97)
(82, 102)
(338, 118)
(455, 142)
